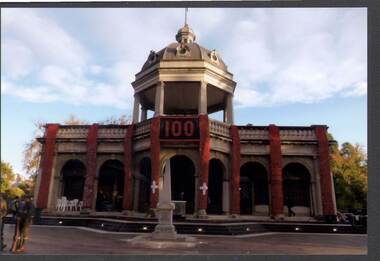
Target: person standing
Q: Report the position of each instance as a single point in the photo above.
(15, 205)
(3, 214)
(24, 218)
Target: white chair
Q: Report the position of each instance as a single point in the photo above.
(64, 204)
(69, 205)
(80, 205)
(58, 204)
(73, 205)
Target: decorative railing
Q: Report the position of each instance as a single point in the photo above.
(220, 128)
(253, 133)
(112, 132)
(297, 133)
(142, 128)
(73, 132)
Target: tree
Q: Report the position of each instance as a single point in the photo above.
(349, 167)
(122, 120)
(8, 179)
(7, 176)
(32, 151)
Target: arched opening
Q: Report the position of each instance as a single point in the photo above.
(144, 178)
(110, 186)
(296, 188)
(215, 187)
(254, 196)
(183, 181)
(73, 177)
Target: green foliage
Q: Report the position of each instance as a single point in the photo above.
(349, 167)
(122, 120)
(7, 176)
(27, 186)
(15, 191)
(9, 182)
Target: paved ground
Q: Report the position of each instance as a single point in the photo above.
(75, 240)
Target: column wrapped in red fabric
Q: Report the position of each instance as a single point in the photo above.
(325, 171)
(128, 157)
(88, 197)
(47, 165)
(155, 159)
(204, 150)
(235, 177)
(277, 196)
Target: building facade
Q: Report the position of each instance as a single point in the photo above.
(218, 168)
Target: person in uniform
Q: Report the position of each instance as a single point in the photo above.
(24, 218)
(3, 214)
(15, 205)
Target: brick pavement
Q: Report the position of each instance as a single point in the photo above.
(74, 240)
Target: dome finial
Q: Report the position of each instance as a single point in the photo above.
(186, 10)
(185, 34)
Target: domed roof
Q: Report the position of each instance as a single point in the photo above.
(184, 50)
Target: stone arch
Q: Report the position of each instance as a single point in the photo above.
(224, 159)
(73, 174)
(216, 176)
(110, 186)
(142, 181)
(57, 185)
(191, 154)
(297, 189)
(306, 162)
(254, 189)
(183, 171)
(101, 159)
(261, 160)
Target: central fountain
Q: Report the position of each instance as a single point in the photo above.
(164, 234)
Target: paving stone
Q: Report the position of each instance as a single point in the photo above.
(77, 240)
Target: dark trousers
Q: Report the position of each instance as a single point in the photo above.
(2, 220)
(21, 234)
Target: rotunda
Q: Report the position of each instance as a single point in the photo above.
(218, 168)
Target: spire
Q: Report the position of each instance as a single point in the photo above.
(186, 10)
(185, 34)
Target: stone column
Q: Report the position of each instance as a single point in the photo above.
(204, 149)
(88, 197)
(144, 114)
(276, 169)
(325, 172)
(159, 101)
(235, 175)
(47, 165)
(229, 111)
(136, 109)
(202, 99)
(128, 157)
(155, 160)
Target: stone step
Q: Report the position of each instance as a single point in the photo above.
(199, 226)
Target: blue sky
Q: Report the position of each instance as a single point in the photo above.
(292, 66)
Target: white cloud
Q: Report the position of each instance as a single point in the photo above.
(17, 58)
(297, 56)
(277, 56)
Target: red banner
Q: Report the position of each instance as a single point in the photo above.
(176, 128)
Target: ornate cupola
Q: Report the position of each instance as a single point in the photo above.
(185, 35)
(183, 78)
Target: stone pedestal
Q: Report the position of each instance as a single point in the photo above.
(164, 234)
(165, 228)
